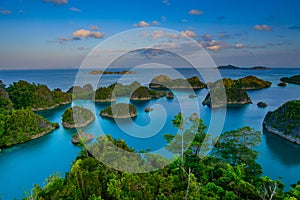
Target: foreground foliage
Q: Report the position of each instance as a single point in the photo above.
(229, 171)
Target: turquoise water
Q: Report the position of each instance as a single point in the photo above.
(32, 162)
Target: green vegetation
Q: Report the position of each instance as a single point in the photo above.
(134, 91)
(77, 117)
(234, 96)
(19, 126)
(120, 110)
(285, 119)
(245, 68)
(85, 92)
(248, 83)
(5, 102)
(293, 79)
(141, 93)
(229, 172)
(163, 81)
(37, 97)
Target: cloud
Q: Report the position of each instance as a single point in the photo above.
(163, 18)
(184, 21)
(239, 46)
(214, 45)
(224, 36)
(166, 2)
(75, 9)
(206, 37)
(263, 27)
(58, 2)
(188, 33)
(160, 33)
(156, 23)
(94, 28)
(294, 28)
(195, 12)
(143, 24)
(82, 33)
(5, 12)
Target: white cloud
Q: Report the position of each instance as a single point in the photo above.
(82, 33)
(75, 9)
(57, 1)
(196, 12)
(184, 20)
(143, 24)
(156, 23)
(188, 33)
(5, 12)
(166, 2)
(160, 33)
(94, 28)
(263, 27)
(239, 45)
(215, 45)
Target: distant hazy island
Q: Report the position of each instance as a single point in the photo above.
(112, 72)
(246, 68)
(293, 79)
(285, 121)
(77, 117)
(119, 111)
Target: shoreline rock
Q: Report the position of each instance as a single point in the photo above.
(76, 137)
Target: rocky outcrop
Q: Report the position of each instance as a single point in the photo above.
(262, 104)
(82, 136)
(119, 111)
(285, 121)
(77, 117)
(229, 96)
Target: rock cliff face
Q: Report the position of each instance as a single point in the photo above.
(285, 121)
(232, 97)
(119, 111)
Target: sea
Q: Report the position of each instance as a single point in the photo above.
(24, 165)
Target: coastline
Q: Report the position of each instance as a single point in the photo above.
(52, 107)
(281, 134)
(33, 137)
(118, 117)
(69, 126)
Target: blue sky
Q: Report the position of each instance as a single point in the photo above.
(60, 33)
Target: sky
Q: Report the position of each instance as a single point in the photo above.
(37, 34)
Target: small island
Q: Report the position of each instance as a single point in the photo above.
(232, 67)
(77, 117)
(112, 72)
(165, 82)
(293, 79)
(262, 104)
(141, 94)
(85, 92)
(233, 97)
(119, 111)
(247, 83)
(82, 136)
(285, 121)
(104, 94)
(170, 95)
(36, 96)
(282, 84)
(19, 126)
